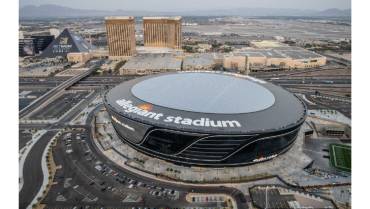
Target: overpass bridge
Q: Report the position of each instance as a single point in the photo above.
(56, 91)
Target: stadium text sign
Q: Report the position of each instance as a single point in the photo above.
(201, 122)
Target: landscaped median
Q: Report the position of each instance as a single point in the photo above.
(49, 173)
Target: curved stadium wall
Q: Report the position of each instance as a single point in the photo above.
(206, 145)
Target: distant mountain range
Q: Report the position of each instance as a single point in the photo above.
(50, 10)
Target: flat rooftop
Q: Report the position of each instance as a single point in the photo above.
(267, 44)
(300, 54)
(157, 50)
(251, 54)
(119, 18)
(162, 18)
(272, 54)
(198, 60)
(153, 61)
(281, 52)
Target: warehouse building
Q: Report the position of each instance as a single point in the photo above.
(281, 57)
(199, 62)
(145, 64)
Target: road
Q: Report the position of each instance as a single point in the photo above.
(32, 167)
(42, 99)
(32, 172)
(86, 81)
(33, 180)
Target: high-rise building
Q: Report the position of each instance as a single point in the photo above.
(26, 47)
(162, 32)
(21, 36)
(41, 42)
(120, 36)
(54, 32)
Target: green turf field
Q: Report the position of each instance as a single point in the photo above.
(340, 157)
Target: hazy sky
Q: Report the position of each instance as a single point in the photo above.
(181, 5)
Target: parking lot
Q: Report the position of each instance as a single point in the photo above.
(85, 180)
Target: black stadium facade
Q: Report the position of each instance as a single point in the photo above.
(205, 118)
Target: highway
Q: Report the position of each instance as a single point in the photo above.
(53, 81)
(96, 82)
(88, 81)
(311, 81)
(64, 85)
(32, 167)
(303, 73)
(32, 173)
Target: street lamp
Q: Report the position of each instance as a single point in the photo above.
(266, 198)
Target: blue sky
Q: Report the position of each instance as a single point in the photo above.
(184, 5)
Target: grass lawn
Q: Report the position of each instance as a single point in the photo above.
(340, 157)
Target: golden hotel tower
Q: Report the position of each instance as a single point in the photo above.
(120, 36)
(162, 32)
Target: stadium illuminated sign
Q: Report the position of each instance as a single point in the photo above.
(200, 122)
(122, 124)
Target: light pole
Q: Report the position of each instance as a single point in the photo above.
(266, 198)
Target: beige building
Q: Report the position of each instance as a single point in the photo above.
(237, 63)
(162, 32)
(308, 63)
(146, 64)
(263, 44)
(204, 47)
(281, 57)
(99, 53)
(204, 61)
(79, 57)
(120, 37)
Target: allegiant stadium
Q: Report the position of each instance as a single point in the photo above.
(205, 118)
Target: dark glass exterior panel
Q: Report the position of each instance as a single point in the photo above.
(263, 148)
(206, 148)
(186, 149)
(195, 149)
(169, 142)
